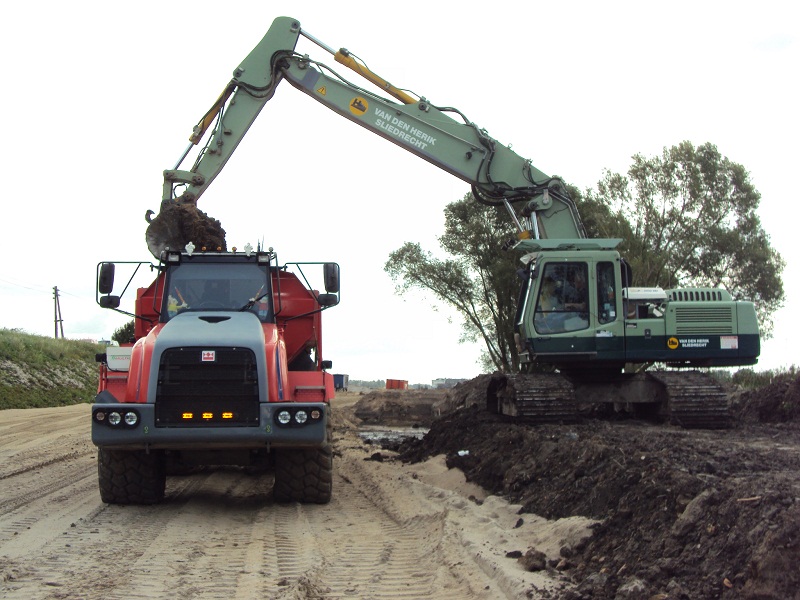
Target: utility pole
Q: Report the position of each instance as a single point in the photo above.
(58, 321)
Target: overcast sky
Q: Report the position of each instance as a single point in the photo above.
(100, 97)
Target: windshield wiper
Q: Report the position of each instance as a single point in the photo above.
(252, 302)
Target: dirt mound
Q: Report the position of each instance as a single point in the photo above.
(471, 393)
(683, 513)
(399, 407)
(178, 224)
(778, 402)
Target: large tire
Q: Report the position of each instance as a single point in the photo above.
(131, 476)
(304, 476)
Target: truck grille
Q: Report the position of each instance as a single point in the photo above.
(207, 387)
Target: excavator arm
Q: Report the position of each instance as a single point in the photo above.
(537, 203)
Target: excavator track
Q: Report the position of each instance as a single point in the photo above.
(695, 400)
(689, 399)
(538, 398)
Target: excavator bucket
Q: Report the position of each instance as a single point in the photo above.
(178, 224)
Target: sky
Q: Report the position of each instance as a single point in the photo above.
(100, 98)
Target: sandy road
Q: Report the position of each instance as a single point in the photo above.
(391, 531)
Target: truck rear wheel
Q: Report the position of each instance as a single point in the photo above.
(304, 476)
(131, 476)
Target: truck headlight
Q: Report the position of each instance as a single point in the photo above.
(117, 418)
(301, 416)
(284, 417)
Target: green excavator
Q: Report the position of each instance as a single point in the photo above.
(579, 311)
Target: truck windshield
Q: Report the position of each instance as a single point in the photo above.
(218, 286)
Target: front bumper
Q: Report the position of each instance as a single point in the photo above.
(267, 434)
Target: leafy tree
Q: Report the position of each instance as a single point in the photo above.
(124, 334)
(688, 218)
(598, 219)
(479, 280)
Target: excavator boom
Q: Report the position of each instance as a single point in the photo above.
(496, 173)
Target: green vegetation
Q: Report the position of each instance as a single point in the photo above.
(125, 333)
(751, 380)
(38, 372)
(690, 218)
(377, 384)
(479, 280)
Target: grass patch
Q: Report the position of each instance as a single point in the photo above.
(39, 372)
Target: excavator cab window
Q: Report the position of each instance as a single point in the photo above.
(606, 293)
(562, 304)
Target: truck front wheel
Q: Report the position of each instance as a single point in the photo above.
(304, 476)
(131, 476)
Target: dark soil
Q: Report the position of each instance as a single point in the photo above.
(178, 224)
(681, 513)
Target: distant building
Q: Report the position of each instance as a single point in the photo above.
(446, 383)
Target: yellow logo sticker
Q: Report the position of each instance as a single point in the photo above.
(322, 91)
(359, 106)
(672, 343)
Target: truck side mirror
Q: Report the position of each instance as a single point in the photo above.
(328, 299)
(331, 273)
(105, 280)
(326, 365)
(109, 301)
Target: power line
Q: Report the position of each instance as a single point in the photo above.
(26, 287)
(46, 291)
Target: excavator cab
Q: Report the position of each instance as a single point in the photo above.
(571, 311)
(579, 311)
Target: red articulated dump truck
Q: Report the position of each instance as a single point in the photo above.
(226, 369)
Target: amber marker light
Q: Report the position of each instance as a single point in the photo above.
(187, 416)
(208, 415)
(227, 415)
